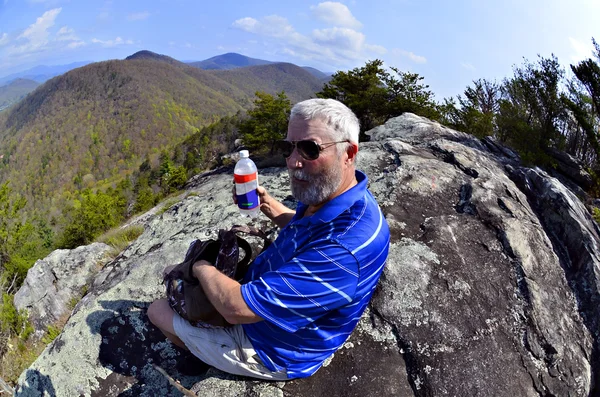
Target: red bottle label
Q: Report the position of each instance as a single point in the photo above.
(244, 178)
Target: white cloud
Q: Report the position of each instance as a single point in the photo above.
(467, 66)
(66, 34)
(336, 14)
(4, 39)
(112, 43)
(248, 24)
(138, 16)
(582, 50)
(39, 38)
(36, 35)
(75, 44)
(343, 38)
(331, 46)
(410, 55)
(272, 26)
(376, 49)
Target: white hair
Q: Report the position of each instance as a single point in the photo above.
(335, 114)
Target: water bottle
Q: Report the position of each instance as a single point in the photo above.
(246, 182)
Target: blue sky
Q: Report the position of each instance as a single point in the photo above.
(449, 43)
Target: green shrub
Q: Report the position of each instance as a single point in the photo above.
(51, 333)
(14, 322)
(167, 204)
(120, 238)
(15, 361)
(596, 214)
(144, 200)
(89, 217)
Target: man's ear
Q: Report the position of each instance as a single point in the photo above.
(352, 151)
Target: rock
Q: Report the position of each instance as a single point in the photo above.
(491, 286)
(571, 167)
(53, 282)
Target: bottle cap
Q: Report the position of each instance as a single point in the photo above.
(244, 154)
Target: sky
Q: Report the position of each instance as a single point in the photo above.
(450, 44)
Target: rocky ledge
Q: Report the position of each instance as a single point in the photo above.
(491, 286)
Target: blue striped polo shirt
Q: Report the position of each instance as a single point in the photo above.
(314, 282)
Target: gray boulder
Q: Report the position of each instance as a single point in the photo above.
(491, 286)
(55, 282)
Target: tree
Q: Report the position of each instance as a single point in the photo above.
(91, 215)
(267, 122)
(407, 94)
(362, 90)
(21, 241)
(10, 206)
(586, 108)
(477, 111)
(375, 94)
(531, 113)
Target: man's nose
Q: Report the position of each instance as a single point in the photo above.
(295, 160)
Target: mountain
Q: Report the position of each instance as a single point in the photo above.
(317, 73)
(233, 60)
(93, 126)
(228, 61)
(42, 73)
(15, 91)
(149, 55)
(294, 80)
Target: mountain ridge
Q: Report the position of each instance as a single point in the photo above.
(42, 73)
(233, 60)
(230, 60)
(98, 122)
(15, 91)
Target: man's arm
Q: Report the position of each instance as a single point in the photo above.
(224, 293)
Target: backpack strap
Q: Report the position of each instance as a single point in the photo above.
(245, 246)
(253, 231)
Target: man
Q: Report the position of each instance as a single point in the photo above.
(303, 296)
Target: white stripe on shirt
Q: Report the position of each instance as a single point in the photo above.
(370, 240)
(319, 279)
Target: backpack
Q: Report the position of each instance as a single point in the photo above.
(184, 292)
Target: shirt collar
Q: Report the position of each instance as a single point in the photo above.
(333, 208)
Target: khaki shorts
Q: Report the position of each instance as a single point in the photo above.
(227, 349)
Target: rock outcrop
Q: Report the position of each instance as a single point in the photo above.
(491, 286)
(54, 283)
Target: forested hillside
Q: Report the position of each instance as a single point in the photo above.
(295, 81)
(228, 61)
(15, 90)
(95, 125)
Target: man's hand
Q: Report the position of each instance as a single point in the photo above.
(273, 209)
(224, 293)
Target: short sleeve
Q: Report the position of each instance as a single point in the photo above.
(315, 282)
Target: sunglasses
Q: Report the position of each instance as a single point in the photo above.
(309, 150)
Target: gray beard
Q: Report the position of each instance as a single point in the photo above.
(319, 188)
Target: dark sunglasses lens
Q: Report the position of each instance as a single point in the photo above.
(285, 148)
(308, 149)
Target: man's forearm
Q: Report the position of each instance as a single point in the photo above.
(224, 293)
(283, 219)
(282, 215)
